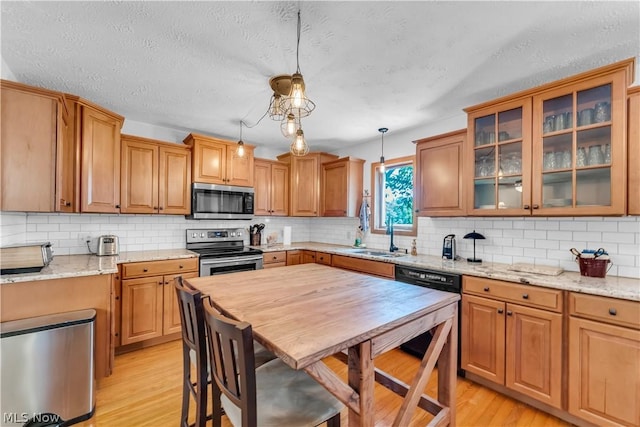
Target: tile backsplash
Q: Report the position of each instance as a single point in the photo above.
(543, 241)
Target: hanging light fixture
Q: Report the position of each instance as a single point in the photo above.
(382, 131)
(289, 126)
(240, 146)
(296, 101)
(281, 86)
(299, 146)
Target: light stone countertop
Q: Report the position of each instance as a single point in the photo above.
(63, 266)
(609, 286)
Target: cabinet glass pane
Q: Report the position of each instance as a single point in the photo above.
(594, 147)
(557, 189)
(485, 163)
(557, 114)
(510, 124)
(510, 192)
(510, 159)
(485, 128)
(557, 152)
(594, 105)
(593, 187)
(484, 194)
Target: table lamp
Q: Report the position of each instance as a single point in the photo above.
(474, 236)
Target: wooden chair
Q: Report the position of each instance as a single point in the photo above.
(193, 343)
(268, 396)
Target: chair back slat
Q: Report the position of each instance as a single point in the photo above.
(231, 352)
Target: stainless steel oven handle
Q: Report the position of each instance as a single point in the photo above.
(230, 261)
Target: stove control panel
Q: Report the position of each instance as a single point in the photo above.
(214, 235)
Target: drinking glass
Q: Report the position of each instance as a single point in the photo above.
(566, 159)
(607, 153)
(596, 157)
(581, 157)
(549, 160)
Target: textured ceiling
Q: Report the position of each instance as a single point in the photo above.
(204, 66)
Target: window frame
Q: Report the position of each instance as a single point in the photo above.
(375, 191)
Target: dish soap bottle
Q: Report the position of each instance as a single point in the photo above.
(414, 250)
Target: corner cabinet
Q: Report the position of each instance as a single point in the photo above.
(556, 150)
(31, 131)
(633, 137)
(271, 188)
(304, 179)
(439, 177)
(341, 187)
(156, 177)
(215, 161)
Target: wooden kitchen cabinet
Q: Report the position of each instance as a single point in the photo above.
(341, 187)
(32, 127)
(215, 161)
(294, 257)
(323, 258)
(149, 309)
(555, 150)
(604, 360)
(308, 257)
(304, 182)
(439, 188)
(274, 259)
(633, 150)
(271, 187)
(376, 268)
(515, 345)
(156, 177)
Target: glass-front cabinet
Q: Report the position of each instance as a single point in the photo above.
(500, 159)
(552, 151)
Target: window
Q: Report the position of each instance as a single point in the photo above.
(393, 196)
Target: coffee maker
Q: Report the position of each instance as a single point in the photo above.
(449, 247)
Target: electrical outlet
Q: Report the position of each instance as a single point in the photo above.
(83, 238)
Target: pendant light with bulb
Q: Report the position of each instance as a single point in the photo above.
(299, 145)
(382, 132)
(240, 146)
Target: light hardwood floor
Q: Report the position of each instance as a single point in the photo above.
(145, 390)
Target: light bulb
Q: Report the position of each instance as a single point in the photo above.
(299, 140)
(382, 168)
(291, 124)
(297, 90)
(240, 149)
(275, 105)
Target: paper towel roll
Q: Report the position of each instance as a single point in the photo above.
(286, 235)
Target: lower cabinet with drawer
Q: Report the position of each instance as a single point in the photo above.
(376, 268)
(149, 306)
(512, 336)
(274, 259)
(604, 360)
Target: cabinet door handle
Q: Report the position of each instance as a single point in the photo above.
(161, 208)
(486, 289)
(117, 298)
(155, 208)
(509, 312)
(536, 207)
(117, 206)
(612, 311)
(117, 334)
(417, 210)
(527, 207)
(160, 282)
(525, 296)
(500, 311)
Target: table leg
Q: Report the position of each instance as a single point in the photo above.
(362, 379)
(447, 370)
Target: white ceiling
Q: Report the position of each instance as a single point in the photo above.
(204, 66)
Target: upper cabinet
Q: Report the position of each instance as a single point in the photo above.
(32, 127)
(97, 133)
(559, 149)
(341, 187)
(305, 181)
(633, 135)
(439, 180)
(215, 161)
(271, 188)
(155, 177)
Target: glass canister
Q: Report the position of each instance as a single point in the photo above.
(602, 112)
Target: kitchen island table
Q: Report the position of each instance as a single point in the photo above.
(304, 313)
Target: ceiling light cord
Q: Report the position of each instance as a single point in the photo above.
(298, 44)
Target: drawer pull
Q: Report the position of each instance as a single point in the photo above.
(500, 311)
(612, 311)
(525, 296)
(275, 257)
(509, 312)
(181, 266)
(486, 289)
(144, 270)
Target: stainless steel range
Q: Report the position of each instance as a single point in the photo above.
(222, 250)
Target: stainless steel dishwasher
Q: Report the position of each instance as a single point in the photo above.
(448, 282)
(47, 369)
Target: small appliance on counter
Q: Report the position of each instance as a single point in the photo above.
(449, 247)
(108, 245)
(25, 258)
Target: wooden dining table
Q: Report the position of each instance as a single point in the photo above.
(305, 313)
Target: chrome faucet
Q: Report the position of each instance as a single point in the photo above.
(392, 247)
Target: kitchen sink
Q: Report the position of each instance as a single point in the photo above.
(375, 253)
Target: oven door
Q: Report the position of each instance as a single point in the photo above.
(214, 266)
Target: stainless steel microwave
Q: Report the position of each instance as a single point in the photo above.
(213, 201)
